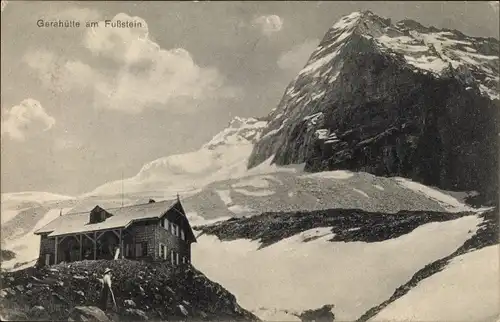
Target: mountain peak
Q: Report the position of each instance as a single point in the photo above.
(240, 130)
(372, 89)
(426, 50)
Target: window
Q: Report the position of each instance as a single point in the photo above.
(47, 259)
(141, 249)
(172, 228)
(172, 257)
(177, 258)
(128, 250)
(183, 235)
(163, 251)
(184, 260)
(138, 249)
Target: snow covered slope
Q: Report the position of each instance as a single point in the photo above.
(22, 213)
(467, 283)
(26, 246)
(309, 270)
(223, 157)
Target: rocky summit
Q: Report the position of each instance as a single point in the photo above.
(393, 100)
(143, 291)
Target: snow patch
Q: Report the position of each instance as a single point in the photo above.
(259, 193)
(337, 174)
(275, 131)
(225, 196)
(316, 233)
(239, 209)
(379, 187)
(273, 315)
(402, 43)
(361, 192)
(448, 202)
(489, 92)
(197, 220)
(317, 96)
(257, 182)
(319, 63)
(433, 64)
(333, 78)
(347, 21)
(322, 134)
(466, 290)
(314, 118)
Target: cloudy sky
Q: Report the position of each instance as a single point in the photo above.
(80, 106)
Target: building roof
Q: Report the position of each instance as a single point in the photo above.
(77, 223)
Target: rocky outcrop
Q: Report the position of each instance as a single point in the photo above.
(393, 100)
(143, 291)
(87, 313)
(323, 314)
(347, 225)
(7, 255)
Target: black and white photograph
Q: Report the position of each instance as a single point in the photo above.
(284, 161)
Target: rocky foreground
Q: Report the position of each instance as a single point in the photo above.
(143, 291)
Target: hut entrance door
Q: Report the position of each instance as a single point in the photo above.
(47, 259)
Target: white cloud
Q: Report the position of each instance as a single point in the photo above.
(268, 24)
(295, 59)
(494, 5)
(60, 74)
(149, 74)
(142, 73)
(26, 117)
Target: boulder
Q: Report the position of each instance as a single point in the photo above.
(13, 315)
(136, 314)
(129, 303)
(87, 313)
(38, 313)
(183, 310)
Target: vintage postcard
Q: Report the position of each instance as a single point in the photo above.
(250, 161)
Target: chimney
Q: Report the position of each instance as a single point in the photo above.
(151, 201)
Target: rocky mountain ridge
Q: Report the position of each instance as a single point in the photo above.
(393, 100)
